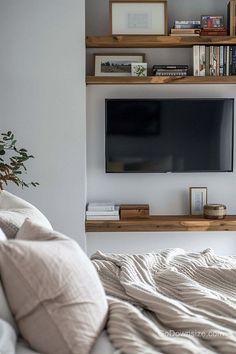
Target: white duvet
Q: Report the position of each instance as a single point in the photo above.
(173, 302)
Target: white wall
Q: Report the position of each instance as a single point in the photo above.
(42, 99)
(166, 194)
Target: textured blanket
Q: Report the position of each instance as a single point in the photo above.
(172, 302)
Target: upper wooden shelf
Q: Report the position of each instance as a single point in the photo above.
(156, 41)
(163, 223)
(160, 80)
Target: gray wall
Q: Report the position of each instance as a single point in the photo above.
(166, 194)
(42, 99)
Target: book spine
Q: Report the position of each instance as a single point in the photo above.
(202, 60)
(101, 208)
(234, 60)
(211, 61)
(227, 61)
(207, 61)
(196, 64)
(175, 67)
(214, 61)
(230, 59)
(221, 60)
(167, 73)
(217, 61)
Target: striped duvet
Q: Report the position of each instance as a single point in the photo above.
(172, 302)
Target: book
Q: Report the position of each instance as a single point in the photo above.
(187, 24)
(103, 217)
(168, 73)
(213, 33)
(103, 212)
(227, 61)
(171, 67)
(207, 61)
(104, 206)
(221, 71)
(185, 35)
(196, 63)
(186, 30)
(202, 60)
(233, 61)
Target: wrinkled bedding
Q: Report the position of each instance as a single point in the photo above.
(172, 302)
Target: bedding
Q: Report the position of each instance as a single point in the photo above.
(173, 302)
(7, 338)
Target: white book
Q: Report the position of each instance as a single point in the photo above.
(102, 217)
(196, 61)
(227, 61)
(105, 206)
(103, 212)
(202, 60)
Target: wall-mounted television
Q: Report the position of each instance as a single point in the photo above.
(169, 135)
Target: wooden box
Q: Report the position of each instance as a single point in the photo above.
(134, 211)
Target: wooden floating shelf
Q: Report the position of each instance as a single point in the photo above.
(163, 223)
(156, 41)
(159, 80)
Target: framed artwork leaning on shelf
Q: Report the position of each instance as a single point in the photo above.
(197, 198)
(138, 17)
(116, 64)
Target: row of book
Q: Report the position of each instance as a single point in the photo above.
(209, 27)
(102, 211)
(214, 60)
(198, 32)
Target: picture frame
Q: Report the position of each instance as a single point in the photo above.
(114, 64)
(138, 17)
(232, 17)
(212, 22)
(197, 198)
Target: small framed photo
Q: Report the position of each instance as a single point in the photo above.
(209, 21)
(198, 198)
(137, 17)
(139, 69)
(116, 64)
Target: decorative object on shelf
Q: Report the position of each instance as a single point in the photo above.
(215, 211)
(198, 198)
(138, 17)
(102, 211)
(116, 64)
(170, 70)
(187, 24)
(12, 162)
(139, 69)
(232, 18)
(134, 211)
(209, 21)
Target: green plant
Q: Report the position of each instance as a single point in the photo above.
(12, 162)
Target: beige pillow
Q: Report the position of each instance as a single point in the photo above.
(14, 211)
(53, 290)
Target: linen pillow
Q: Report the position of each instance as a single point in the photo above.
(13, 212)
(53, 290)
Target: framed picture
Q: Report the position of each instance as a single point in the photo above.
(116, 64)
(198, 198)
(232, 17)
(209, 21)
(137, 17)
(139, 69)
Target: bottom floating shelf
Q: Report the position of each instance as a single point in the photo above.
(159, 80)
(163, 223)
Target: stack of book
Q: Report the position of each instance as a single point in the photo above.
(102, 211)
(170, 70)
(214, 32)
(186, 28)
(214, 60)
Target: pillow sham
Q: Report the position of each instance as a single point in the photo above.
(13, 212)
(53, 290)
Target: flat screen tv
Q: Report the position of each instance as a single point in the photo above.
(169, 135)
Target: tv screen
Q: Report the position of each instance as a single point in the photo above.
(169, 135)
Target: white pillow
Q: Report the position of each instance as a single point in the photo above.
(14, 211)
(2, 236)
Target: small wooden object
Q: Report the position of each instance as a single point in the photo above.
(134, 211)
(215, 211)
(232, 17)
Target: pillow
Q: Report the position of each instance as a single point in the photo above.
(2, 236)
(53, 290)
(13, 212)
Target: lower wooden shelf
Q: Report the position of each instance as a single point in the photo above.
(159, 80)
(163, 223)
